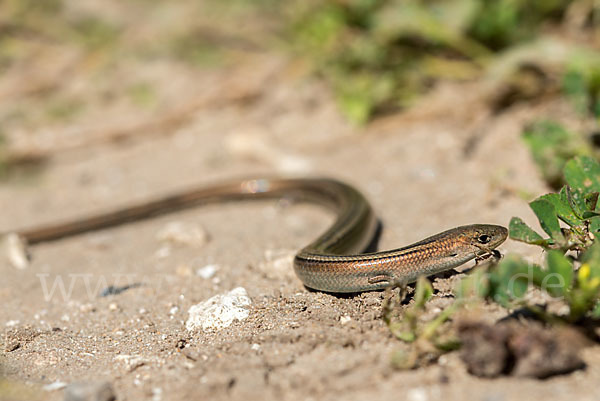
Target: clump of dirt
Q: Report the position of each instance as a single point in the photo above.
(523, 350)
(16, 337)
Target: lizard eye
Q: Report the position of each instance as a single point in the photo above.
(484, 239)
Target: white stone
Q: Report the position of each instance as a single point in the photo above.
(219, 311)
(207, 271)
(345, 319)
(417, 394)
(57, 385)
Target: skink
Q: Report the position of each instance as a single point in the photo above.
(335, 261)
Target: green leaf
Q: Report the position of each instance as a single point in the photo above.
(448, 345)
(356, 108)
(575, 202)
(520, 231)
(511, 278)
(588, 215)
(358, 93)
(591, 200)
(582, 173)
(563, 209)
(560, 276)
(423, 292)
(518, 287)
(546, 214)
(406, 336)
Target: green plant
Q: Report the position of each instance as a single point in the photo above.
(503, 23)
(571, 273)
(571, 221)
(427, 339)
(575, 206)
(581, 82)
(379, 55)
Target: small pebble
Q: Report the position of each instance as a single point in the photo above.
(132, 362)
(345, 319)
(207, 271)
(219, 311)
(86, 308)
(57, 385)
(417, 394)
(157, 394)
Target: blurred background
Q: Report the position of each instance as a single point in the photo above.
(81, 73)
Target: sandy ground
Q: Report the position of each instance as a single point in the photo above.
(422, 170)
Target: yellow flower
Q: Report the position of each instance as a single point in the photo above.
(584, 272)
